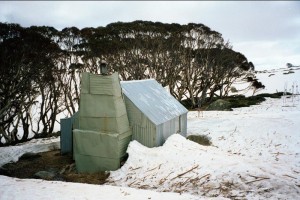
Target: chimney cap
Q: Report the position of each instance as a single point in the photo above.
(103, 67)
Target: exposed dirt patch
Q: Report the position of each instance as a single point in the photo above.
(62, 166)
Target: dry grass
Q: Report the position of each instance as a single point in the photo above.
(200, 139)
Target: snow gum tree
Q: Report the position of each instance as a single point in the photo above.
(41, 66)
(26, 61)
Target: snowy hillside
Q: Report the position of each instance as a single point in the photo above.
(276, 80)
(255, 155)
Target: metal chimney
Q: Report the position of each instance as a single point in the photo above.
(103, 67)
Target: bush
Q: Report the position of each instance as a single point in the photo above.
(187, 103)
(237, 101)
(242, 101)
(200, 139)
(274, 95)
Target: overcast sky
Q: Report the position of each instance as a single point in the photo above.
(267, 33)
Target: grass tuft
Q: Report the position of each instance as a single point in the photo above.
(200, 139)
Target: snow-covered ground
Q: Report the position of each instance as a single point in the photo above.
(255, 155)
(12, 188)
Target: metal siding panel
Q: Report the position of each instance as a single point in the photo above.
(183, 125)
(124, 141)
(166, 129)
(101, 106)
(93, 150)
(99, 110)
(120, 107)
(85, 83)
(66, 127)
(106, 85)
(75, 120)
(159, 135)
(169, 129)
(177, 125)
(143, 130)
(94, 164)
(134, 114)
(123, 123)
(105, 124)
(66, 135)
(145, 134)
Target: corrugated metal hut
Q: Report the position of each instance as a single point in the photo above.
(153, 113)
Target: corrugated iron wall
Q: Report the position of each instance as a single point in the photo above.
(66, 136)
(183, 124)
(176, 125)
(167, 129)
(143, 130)
(149, 134)
(66, 144)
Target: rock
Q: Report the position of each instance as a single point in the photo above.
(30, 155)
(44, 175)
(220, 105)
(68, 169)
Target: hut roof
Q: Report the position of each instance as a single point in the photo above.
(153, 100)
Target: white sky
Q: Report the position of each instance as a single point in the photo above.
(267, 33)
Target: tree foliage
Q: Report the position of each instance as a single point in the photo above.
(41, 67)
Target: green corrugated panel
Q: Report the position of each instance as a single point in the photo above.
(100, 144)
(101, 106)
(93, 149)
(99, 110)
(103, 124)
(106, 85)
(99, 84)
(76, 120)
(93, 164)
(85, 83)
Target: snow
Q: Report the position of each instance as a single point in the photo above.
(255, 155)
(13, 153)
(265, 137)
(260, 144)
(12, 188)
